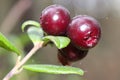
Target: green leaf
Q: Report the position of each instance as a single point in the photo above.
(6, 44)
(59, 41)
(30, 23)
(54, 69)
(35, 34)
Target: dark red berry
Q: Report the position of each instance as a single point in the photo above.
(55, 19)
(84, 31)
(72, 54)
(62, 59)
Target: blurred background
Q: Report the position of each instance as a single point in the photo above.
(101, 63)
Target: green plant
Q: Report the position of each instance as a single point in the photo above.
(67, 52)
(36, 34)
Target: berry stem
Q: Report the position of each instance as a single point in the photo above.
(19, 64)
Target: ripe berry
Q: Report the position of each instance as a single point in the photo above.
(62, 59)
(55, 19)
(71, 54)
(84, 31)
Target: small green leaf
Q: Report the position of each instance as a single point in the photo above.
(30, 23)
(59, 41)
(35, 34)
(64, 41)
(6, 44)
(54, 69)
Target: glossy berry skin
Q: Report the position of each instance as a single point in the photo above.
(71, 54)
(55, 19)
(84, 31)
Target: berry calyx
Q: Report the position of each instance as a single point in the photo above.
(84, 31)
(55, 19)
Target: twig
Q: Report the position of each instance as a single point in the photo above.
(23, 61)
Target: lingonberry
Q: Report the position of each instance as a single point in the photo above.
(55, 19)
(71, 54)
(84, 31)
(62, 59)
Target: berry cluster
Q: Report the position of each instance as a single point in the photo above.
(84, 32)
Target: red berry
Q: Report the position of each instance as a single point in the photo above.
(55, 19)
(72, 54)
(84, 31)
(62, 59)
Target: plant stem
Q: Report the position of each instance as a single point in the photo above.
(23, 61)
